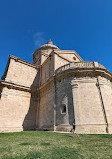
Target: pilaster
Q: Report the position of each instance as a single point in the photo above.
(75, 93)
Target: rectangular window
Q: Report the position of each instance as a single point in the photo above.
(63, 109)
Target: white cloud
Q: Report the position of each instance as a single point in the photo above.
(39, 39)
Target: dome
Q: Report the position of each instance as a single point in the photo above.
(49, 44)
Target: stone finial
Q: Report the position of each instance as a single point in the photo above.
(50, 42)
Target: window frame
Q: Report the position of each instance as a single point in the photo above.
(62, 109)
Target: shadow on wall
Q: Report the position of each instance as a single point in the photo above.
(70, 104)
(63, 91)
(29, 122)
(0, 91)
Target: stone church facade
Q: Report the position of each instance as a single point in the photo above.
(59, 88)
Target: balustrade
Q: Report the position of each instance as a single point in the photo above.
(82, 64)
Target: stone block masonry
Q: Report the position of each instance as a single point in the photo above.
(59, 88)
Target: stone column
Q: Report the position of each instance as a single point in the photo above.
(74, 86)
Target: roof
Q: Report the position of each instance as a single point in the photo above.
(49, 45)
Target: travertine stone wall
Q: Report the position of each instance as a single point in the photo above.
(59, 62)
(90, 107)
(45, 55)
(46, 107)
(33, 97)
(20, 73)
(41, 55)
(106, 91)
(17, 110)
(64, 96)
(82, 98)
(47, 69)
(70, 56)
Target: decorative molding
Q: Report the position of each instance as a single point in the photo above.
(84, 67)
(61, 56)
(15, 86)
(17, 59)
(74, 84)
(70, 52)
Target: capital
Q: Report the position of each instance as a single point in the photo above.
(74, 85)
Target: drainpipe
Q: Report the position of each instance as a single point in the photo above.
(103, 107)
(54, 103)
(101, 98)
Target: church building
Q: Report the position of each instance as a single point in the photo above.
(54, 91)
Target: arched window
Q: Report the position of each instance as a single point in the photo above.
(63, 109)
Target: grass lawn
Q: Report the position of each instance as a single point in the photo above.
(52, 145)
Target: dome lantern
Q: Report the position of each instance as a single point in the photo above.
(50, 42)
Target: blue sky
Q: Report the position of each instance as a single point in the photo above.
(81, 25)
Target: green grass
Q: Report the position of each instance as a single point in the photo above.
(52, 145)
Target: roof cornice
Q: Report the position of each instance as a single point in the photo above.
(69, 52)
(17, 59)
(15, 86)
(62, 57)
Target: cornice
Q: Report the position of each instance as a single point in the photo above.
(69, 52)
(87, 72)
(62, 57)
(15, 86)
(46, 83)
(72, 69)
(17, 59)
(52, 53)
